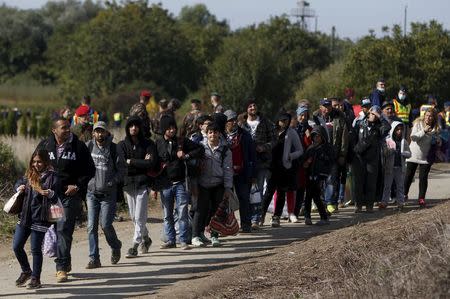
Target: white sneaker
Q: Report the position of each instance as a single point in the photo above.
(197, 242)
(293, 218)
(204, 239)
(215, 242)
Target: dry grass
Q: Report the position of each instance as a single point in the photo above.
(22, 147)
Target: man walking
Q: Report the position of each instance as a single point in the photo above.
(74, 167)
(102, 193)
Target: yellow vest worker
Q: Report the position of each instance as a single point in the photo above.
(402, 111)
(152, 107)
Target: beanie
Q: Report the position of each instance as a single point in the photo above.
(249, 102)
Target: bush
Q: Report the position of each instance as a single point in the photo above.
(8, 172)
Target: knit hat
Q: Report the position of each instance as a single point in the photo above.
(250, 101)
(301, 110)
(146, 93)
(283, 116)
(82, 110)
(166, 122)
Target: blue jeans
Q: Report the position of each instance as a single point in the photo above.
(176, 194)
(37, 238)
(262, 176)
(106, 207)
(64, 232)
(332, 184)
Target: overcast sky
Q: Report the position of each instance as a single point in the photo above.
(352, 18)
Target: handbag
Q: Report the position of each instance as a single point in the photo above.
(56, 212)
(50, 242)
(14, 205)
(224, 222)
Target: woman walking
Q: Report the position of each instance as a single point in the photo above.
(425, 141)
(39, 185)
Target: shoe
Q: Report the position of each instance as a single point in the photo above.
(382, 206)
(331, 209)
(422, 203)
(275, 222)
(322, 222)
(405, 200)
(308, 221)
(215, 242)
(204, 239)
(293, 218)
(69, 269)
(168, 245)
(35, 283)
(115, 256)
(256, 225)
(358, 209)
(197, 242)
(23, 278)
(61, 276)
(93, 264)
(341, 205)
(132, 252)
(146, 245)
(349, 203)
(184, 246)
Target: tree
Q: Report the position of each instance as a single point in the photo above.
(44, 125)
(24, 126)
(11, 124)
(33, 126)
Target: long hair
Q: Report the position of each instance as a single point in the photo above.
(434, 113)
(32, 175)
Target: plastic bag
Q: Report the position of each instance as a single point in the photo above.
(50, 242)
(255, 194)
(56, 212)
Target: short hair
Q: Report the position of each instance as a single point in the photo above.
(57, 119)
(202, 119)
(213, 127)
(86, 100)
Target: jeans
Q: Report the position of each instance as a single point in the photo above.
(37, 238)
(243, 193)
(208, 202)
(262, 176)
(331, 185)
(396, 176)
(64, 232)
(137, 199)
(176, 194)
(424, 170)
(101, 209)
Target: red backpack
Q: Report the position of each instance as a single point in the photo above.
(237, 154)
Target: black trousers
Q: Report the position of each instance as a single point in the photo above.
(313, 190)
(207, 203)
(424, 170)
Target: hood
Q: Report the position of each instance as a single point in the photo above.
(134, 120)
(321, 131)
(394, 124)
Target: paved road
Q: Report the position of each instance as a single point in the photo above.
(162, 269)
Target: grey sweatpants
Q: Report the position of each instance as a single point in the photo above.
(397, 176)
(137, 199)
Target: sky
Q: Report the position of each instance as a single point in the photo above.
(352, 18)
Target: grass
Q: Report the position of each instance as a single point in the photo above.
(22, 147)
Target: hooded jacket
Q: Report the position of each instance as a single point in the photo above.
(369, 137)
(217, 166)
(391, 152)
(138, 167)
(322, 156)
(108, 172)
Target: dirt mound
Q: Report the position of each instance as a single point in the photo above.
(403, 255)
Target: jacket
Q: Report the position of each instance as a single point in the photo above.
(339, 138)
(377, 97)
(74, 167)
(390, 153)
(264, 137)
(110, 167)
(246, 144)
(321, 154)
(139, 166)
(369, 139)
(217, 166)
(35, 206)
(421, 143)
(292, 148)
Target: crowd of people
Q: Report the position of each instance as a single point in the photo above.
(298, 157)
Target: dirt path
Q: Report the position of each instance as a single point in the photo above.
(167, 273)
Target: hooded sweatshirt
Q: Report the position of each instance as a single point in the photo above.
(110, 167)
(397, 150)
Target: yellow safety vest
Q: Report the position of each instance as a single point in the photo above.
(118, 116)
(424, 109)
(447, 118)
(402, 111)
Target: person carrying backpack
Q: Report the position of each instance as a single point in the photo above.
(102, 193)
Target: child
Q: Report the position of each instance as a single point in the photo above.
(397, 150)
(317, 161)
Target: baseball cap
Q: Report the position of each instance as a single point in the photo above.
(100, 125)
(325, 102)
(366, 102)
(230, 114)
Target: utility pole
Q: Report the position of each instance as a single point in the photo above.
(404, 21)
(302, 12)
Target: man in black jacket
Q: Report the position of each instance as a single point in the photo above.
(74, 167)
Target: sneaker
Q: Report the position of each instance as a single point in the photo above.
(331, 209)
(349, 203)
(115, 256)
(93, 264)
(168, 245)
(382, 206)
(146, 245)
(215, 242)
(256, 225)
(61, 276)
(184, 246)
(132, 252)
(422, 203)
(358, 209)
(197, 242)
(275, 222)
(308, 221)
(204, 239)
(322, 222)
(23, 278)
(35, 283)
(293, 218)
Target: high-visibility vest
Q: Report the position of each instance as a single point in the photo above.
(424, 109)
(117, 116)
(447, 118)
(402, 111)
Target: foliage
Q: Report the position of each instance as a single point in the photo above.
(44, 125)
(7, 164)
(33, 126)
(23, 130)
(11, 124)
(420, 60)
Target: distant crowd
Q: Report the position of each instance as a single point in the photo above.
(219, 161)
